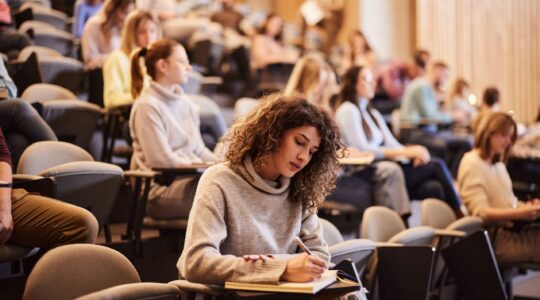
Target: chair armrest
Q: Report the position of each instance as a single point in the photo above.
(450, 233)
(205, 289)
(198, 168)
(387, 244)
(139, 174)
(45, 186)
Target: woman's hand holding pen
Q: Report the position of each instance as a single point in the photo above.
(303, 268)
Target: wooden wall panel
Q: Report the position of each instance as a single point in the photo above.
(488, 42)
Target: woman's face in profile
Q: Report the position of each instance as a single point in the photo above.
(500, 141)
(365, 86)
(147, 33)
(297, 147)
(274, 25)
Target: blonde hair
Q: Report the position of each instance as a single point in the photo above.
(129, 32)
(259, 134)
(306, 79)
(492, 123)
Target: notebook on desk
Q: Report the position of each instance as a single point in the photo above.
(328, 277)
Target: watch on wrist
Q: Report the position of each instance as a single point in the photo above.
(5, 184)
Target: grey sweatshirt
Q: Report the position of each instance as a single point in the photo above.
(235, 213)
(164, 126)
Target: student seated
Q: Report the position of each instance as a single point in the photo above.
(380, 183)
(267, 47)
(364, 128)
(140, 30)
(164, 125)
(35, 221)
(280, 164)
(486, 190)
(101, 33)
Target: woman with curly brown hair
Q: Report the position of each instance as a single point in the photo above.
(280, 163)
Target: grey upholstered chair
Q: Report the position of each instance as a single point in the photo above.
(79, 179)
(71, 271)
(49, 36)
(136, 291)
(213, 124)
(45, 14)
(46, 91)
(439, 215)
(358, 250)
(381, 224)
(72, 120)
(39, 50)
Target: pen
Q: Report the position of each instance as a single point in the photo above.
(302, 246)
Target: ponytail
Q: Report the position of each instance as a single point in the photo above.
(160, 49)
(137, 76)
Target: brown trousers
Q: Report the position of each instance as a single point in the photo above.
(46, 223)
(518, 247)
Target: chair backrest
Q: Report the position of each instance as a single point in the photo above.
(404, 272)
(70, 271)
(472, 263)
(72, 121)
(43, 155)
(47, 15)
(212, 120)
(380, 223)
(436, 213)
(46, 91)
(136, 291)
(39, 50)
(244, 105)
(193, 84)
(28, 73)
(88, 184)
(47, 35)
(331, 234)
(63, 71)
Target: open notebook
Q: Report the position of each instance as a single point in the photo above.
(328, 277)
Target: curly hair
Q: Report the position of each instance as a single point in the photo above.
(260, 132)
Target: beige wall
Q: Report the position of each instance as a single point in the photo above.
(388, 26)
(488, 42)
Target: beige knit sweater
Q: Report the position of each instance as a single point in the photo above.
(235, 213)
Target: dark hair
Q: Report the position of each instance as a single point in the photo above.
(348, 93)
(367, 47)
(419, 58)
(108, 11)
(279, 36)
(495, 122)
(491, 96)
(160, 49)
(538, 116)
(260, 132)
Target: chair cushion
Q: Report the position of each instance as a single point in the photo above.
(421, 235)
(140, 291)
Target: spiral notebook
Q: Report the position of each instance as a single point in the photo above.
(327, 278)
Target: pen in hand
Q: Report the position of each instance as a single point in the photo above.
(302, 245)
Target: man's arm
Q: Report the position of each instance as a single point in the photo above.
(6, 220)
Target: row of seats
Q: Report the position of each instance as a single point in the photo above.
(97, 272)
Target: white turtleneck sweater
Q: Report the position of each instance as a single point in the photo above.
(349, 119)
(235, 213)
(164, 126)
